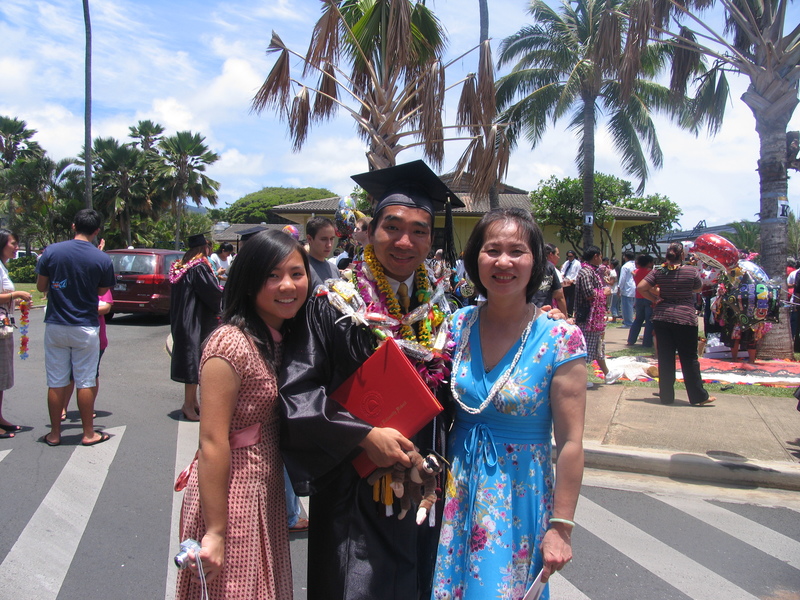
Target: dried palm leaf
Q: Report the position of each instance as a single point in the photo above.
(685, 62)
(502, 152)
(324, 45)
(399, 48)
(609, 41)
(327, 93)
(486, 87)
(275, 90)
(299, 118)
(469, 111)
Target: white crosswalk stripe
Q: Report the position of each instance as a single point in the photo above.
(186, 449)
(763, 538)
(561, 589)
(4, 453)
(37, 564)
(669, 564)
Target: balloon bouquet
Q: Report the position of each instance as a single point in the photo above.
(746, 299)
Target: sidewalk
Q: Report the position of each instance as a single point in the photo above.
(739, 439)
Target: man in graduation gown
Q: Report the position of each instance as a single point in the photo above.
(356, 551)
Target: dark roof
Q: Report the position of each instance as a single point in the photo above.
(233, 233)
(691, 234)
(325, 206)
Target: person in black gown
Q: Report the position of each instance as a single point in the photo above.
(194, 310)
(356, 551)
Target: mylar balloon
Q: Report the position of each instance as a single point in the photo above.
(347, 203)
(755, 270)
(292, 231)
(716, 251)
(345, 220)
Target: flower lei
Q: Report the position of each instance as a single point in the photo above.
(391, 305)
(24, 321)
(373, 286)
(179, 269)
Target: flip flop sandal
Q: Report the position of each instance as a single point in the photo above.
(104, 437)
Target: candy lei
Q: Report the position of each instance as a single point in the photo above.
(502, 380)
(390, 302)
(24, 321)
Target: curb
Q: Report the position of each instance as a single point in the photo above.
(684, 465)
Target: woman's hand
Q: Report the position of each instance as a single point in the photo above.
(21, 295)
(556, 549)
(212, 555)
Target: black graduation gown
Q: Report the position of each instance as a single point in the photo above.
(355, 552)
(194, 308)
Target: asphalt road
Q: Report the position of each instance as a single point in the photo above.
(101, 522)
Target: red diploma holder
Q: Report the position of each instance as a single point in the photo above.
(387, 391)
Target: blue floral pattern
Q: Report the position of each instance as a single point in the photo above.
(499, 491)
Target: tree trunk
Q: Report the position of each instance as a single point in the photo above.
(773, 177)
(128, 225)
(483, 5)
(178, 213)
(587, 175)
(87, 119)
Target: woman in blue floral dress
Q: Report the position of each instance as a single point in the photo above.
(515, 376)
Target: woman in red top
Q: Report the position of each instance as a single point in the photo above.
(643, 306)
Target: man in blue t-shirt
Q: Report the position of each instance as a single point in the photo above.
(74, 274)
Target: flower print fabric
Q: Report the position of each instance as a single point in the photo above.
(499, 491)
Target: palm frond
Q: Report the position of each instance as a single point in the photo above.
(275, 90)
(398, 48)
(327, 93)
(486, 88)
(325, 39)
(469, 108)
(685, 62)
(300, 118)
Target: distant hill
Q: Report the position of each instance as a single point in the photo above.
(254, 207)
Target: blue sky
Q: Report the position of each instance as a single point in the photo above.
(196, 65)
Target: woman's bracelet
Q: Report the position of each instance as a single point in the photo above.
(564, 521)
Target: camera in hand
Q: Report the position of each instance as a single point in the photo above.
(182, 558)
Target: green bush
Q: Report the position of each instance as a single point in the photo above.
(22, 270)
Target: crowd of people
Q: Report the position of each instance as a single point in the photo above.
(262, 340)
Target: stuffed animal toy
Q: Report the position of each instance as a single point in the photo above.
(414, 485)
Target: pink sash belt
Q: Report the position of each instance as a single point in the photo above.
(241, 438)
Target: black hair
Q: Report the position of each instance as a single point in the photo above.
(5, 235)
(674, 252)
(248, 274)
(589, 253)
(316, 223)
(225, 247)
(644, 260)
(550, 249)
(528, 231)
(628, 255)
(87, 221)
(614, 264)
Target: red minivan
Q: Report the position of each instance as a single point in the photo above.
(142, 284)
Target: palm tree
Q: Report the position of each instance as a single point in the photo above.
(146, 133)
(119, 182)
(395, 88)
(87, 118)
(568, 62)
(16, 141)
(755, 44)
(181, 173)
(746, 235)
(34, 186)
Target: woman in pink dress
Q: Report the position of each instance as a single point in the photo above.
(234, 500)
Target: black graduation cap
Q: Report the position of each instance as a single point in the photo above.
(411, 184)
(246, 234)
(198, 239)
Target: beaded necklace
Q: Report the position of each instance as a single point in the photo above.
(502, 380)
